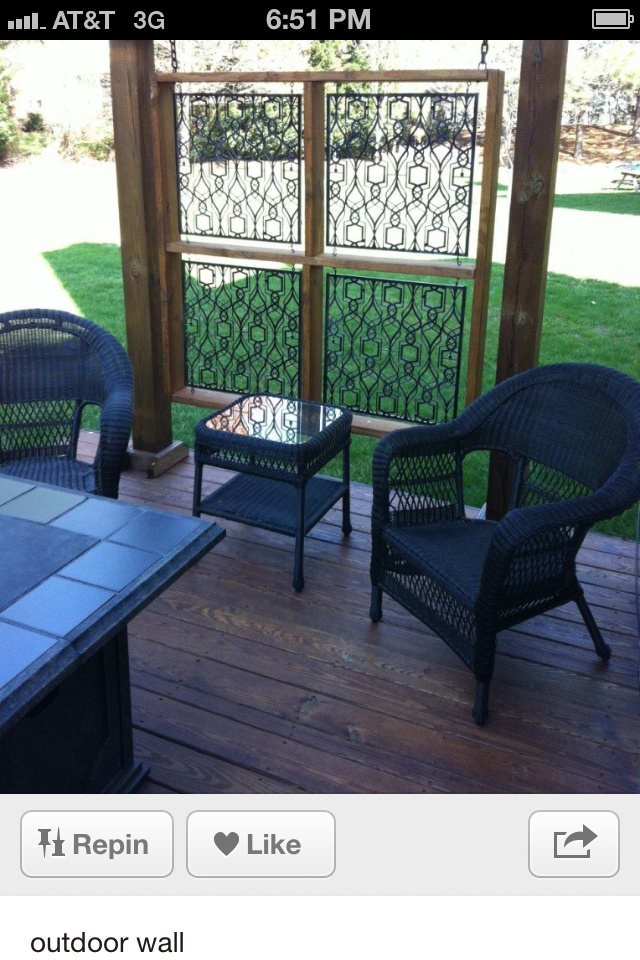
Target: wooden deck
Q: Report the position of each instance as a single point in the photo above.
(240, 685)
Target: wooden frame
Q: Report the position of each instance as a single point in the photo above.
(314, 257)
(543, 67)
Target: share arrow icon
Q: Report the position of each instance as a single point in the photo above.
(586, 835)
(573, 843)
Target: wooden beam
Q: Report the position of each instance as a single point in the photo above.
(340, 260)
(142, 237)
(535, 164)
(172, 293)
(368, 426)
(532, 196)
(313, 275)
(323, 76)
(484, 258)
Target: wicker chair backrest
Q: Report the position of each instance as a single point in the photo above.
(572, 427)
(42, 360)
(52, 365)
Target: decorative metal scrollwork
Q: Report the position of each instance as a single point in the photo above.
(393, 347)
(400, 171)
(239, 165)
(242, 328)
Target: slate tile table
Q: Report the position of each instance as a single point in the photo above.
(74, 571)
(277, 445)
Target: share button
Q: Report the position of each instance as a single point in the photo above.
(574, 843)
(232, 843)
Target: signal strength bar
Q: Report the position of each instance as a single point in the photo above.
(24, 23)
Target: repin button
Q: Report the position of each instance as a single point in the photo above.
(74, 843)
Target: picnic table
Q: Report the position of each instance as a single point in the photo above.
(629, 175)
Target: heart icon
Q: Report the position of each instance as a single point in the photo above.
(226, 842)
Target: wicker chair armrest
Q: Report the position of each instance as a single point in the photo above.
(417, 475)
(115, 430)
(538, 543)
(521, 524)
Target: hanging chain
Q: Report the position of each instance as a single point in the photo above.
(335, 170)
(174, 56)
(484, 50)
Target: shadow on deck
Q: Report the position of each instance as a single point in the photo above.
(240, 685)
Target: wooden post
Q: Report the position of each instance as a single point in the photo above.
(535, 163)
(172, 300)
(313, 276)
(133, 90)
(488, 198)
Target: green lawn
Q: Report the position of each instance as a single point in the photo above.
(585, 321)
(622, 201)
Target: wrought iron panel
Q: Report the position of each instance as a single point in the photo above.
(242, 328)
(239, 165)
(400, 171)
(393, 347)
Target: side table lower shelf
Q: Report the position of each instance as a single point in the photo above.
(280, 507)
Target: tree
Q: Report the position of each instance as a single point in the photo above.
(9, 130)
(622, 60)
(326, 54)
(341, 55)
(356, 56)
(506, 55)
(584, 94)
(603, 85)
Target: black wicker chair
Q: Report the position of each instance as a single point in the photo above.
(573, 433)
(52, 366)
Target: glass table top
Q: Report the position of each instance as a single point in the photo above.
(280, 419)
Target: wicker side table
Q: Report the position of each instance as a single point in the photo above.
(277, 446)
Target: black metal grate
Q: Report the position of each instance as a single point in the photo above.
(393, 347)
(242, 328)
(400, 171)
(239, 166)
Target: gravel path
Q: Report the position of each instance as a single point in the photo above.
(49, 203)
(596, 246)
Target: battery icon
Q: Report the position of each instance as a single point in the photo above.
(611, 19)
